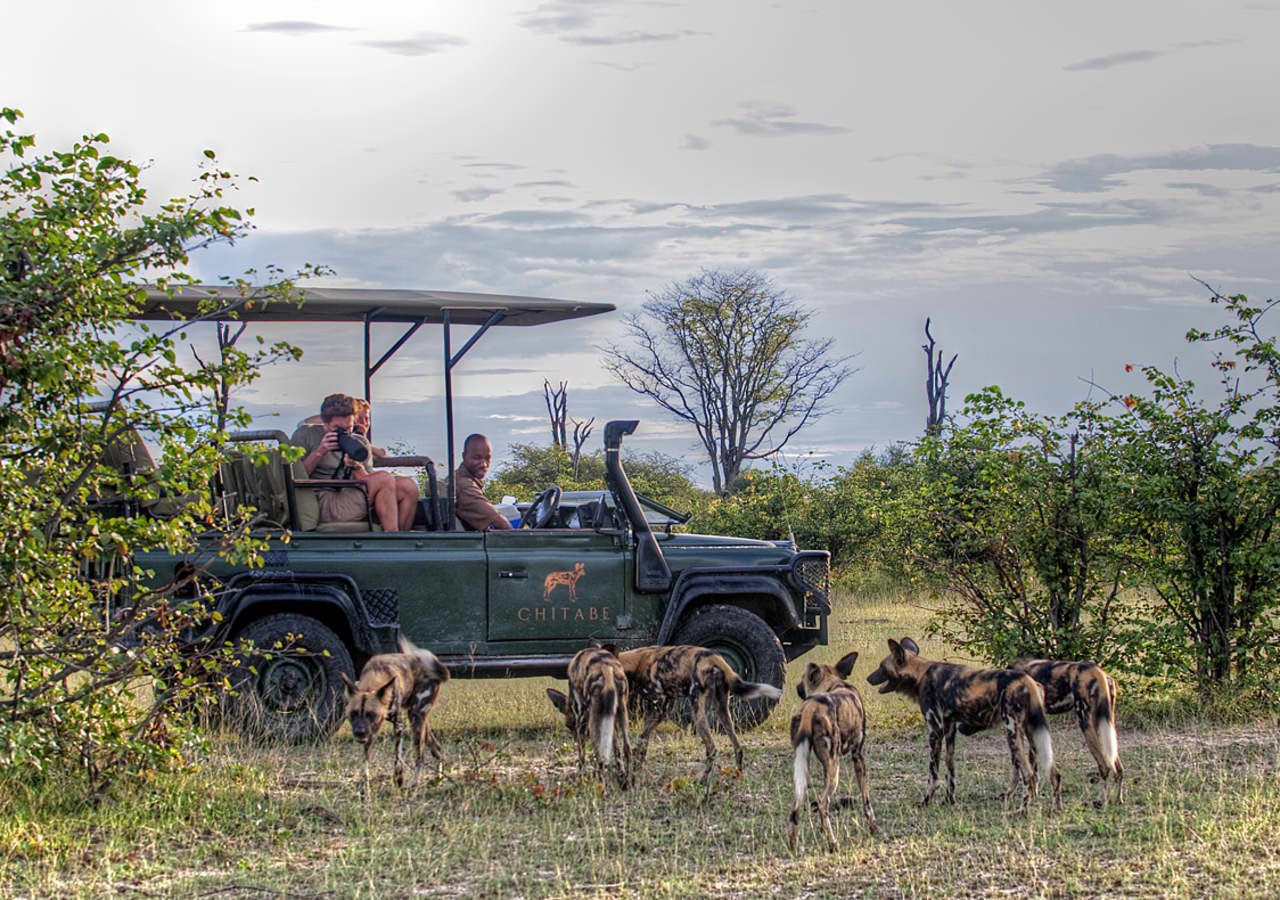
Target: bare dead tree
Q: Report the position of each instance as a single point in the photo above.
(581, 431)
(936, 382)
(228, 334)
(557, 410)
(725, 352)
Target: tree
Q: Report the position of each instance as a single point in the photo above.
(557, 400)
(93, 675)
(724, 352)
(1012, 515)
(1202, 485)
(937, 380)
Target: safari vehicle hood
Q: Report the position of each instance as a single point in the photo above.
(685, 550)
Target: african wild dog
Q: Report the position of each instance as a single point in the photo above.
(392, 684)
(1092, 693)
(830, 723)
(955, 697)
(596, 710)
(567, 578)
(662, 677)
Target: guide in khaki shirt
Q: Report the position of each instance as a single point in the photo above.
(472, 507)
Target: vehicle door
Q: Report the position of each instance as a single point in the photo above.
(555, 583)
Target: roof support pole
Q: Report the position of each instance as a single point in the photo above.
(445, 320)
(450, 360)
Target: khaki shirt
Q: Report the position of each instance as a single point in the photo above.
(331, 465)
(472, 508)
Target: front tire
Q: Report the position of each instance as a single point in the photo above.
(748, 645)
(289, 686)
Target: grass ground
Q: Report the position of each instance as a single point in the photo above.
(512, 818)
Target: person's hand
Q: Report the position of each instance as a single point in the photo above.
(329, 442)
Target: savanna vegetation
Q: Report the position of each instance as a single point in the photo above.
(1139, 530)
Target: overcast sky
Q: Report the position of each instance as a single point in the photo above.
(1041, 179)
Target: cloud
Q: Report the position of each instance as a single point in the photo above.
(1115, 59)
(1099, 173)
(774, 120)
(694, 142)
(1204, 190)
(294, 27)
(1128, 57)
(625, 37)
(471, 195)
(548, 183)
(422, 44)
(502, 166)
(560, 15)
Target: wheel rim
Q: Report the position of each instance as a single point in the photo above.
(737, 657)
(290, 684)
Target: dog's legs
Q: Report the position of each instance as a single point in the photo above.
(935, 757)
(366, 781)
(1021, 766)
(622, 747)
(653, 717)
(400, 735)
(432, 743)
(950, 738)
(831, 764)
(703, 728)
(726, 718)
(860, 771)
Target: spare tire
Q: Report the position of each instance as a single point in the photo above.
(747, 644)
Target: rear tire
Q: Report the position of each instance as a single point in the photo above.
(292, 692)
(748, 645)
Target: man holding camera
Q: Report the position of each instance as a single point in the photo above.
(334, 452)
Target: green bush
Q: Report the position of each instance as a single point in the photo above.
(93, 679)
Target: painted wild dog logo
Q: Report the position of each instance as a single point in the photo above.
(567, 578)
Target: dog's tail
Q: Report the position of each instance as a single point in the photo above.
(802, 742)
(439, 671)
(1038, 726)
(1101, 700)
(746, 690)
(606, 713)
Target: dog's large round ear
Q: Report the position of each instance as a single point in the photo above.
(908, 644)
(558, 699)
(897, 652)
(387, 690)
(845, 666)
(346, 679)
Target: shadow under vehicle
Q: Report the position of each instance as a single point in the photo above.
(603, 565)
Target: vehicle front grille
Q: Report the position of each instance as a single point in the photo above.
(383, 606)
(813, 576)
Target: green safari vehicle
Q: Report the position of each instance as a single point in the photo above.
(605, 565)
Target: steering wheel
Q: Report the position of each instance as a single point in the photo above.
(543, 508)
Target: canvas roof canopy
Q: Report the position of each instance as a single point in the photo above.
(371, 305)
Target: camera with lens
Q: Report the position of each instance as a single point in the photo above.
(352, 446)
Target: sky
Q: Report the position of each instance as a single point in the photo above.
(1042, 180)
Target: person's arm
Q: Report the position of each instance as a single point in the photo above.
(317, 444)
(473, 508)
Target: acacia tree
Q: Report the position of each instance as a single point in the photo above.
(725, 352)
(92, 674)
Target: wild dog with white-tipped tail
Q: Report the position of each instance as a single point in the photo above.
(662, 677)
(391, 686)
(595, 709)
(959, 698)
(830, 723)
(1091, 692)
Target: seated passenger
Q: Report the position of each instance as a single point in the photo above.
(407, 492)
(325, 460)
(473, 510)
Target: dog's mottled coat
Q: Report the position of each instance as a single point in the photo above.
(960, 698)
(595, 709)
(830, 723)
(391, 686)
(1091, 692)
(661, 677)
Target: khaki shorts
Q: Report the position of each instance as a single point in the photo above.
(343, 505)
